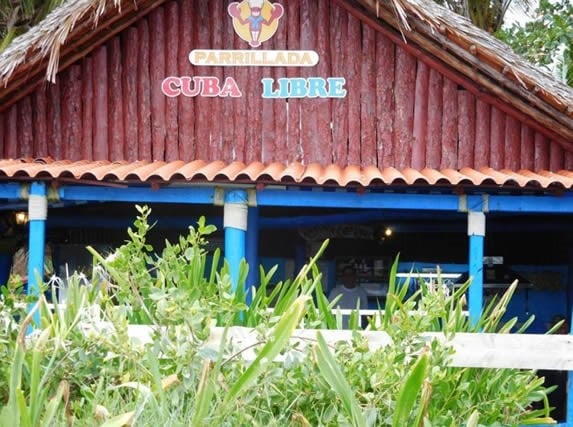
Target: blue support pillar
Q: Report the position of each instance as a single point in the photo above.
(235, 224)
(37, 214)
(476, 233)
(569, 409)
(252, 250)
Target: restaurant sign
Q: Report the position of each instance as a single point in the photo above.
(254, 21)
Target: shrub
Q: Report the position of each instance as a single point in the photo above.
(81, 367)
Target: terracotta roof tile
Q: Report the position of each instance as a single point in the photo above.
(295, 173)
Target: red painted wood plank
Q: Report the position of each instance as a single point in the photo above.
(25, 127)
(241, 106)
(324, 105)
(39, 123)
(338, 34)
(215, 106)
(227, 105)
(254, 116)
(72, 113)
(100, 141)
(203, 105)
(186, 105)
(404, 101)
(368, 155)
(556, 157)
(54, 117)
(11, 132)
(353, 59)
(496, 154)
(293, 150)
(449, 125)
(466, 128)
(483, 134)
(527, 148)
(568, 161)
(421, 94)
(267, 139)
(129, 84)
(385, 66)
(309, 116)
(541, 152)
(435, 109)
(157, 74)
(512, 143)
(267, 135)
(171, 104)
(279, 106)
(144, 93)
(86, 149)
(116, 130)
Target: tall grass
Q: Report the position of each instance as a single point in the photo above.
(81, 368)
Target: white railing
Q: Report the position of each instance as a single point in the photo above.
(476, 350)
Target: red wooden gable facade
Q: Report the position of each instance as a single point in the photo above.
(398, 112)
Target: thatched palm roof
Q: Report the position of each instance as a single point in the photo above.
(78, 26)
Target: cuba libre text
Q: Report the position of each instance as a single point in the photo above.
(208, 86)
(211, 86)
(297, 87)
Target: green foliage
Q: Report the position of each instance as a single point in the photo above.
(17, 16)
(81, 367)
(547, 39)
(488, 15)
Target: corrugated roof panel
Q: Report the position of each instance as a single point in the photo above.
(295, 173)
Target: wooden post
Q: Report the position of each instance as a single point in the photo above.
(435, 109)
(420, 116)
(483, 132)
(450, 126)
(235, 223)
(476, 233)
(37, 214)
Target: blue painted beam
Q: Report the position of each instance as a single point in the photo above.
(37, 212)
(531, 204)
(322, 199)
(187, 195)
(332, 199)
(10, 190)
(235, 224)
(164, 222)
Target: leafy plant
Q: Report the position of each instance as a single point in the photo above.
(547, 39)
(82, 365)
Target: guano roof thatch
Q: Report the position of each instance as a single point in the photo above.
(78, 26)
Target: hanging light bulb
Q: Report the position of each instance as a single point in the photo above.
(388, 232)
(21, 218)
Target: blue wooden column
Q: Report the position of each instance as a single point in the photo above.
(476, 233)
(37, 215)
(569, 411)
(252, 248)
(235, 225)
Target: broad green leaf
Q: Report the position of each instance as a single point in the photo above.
(332, 373)
(278, 339)
(410, 390)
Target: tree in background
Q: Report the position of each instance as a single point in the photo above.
(488, 15)
(17, 16)
(547, 39)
